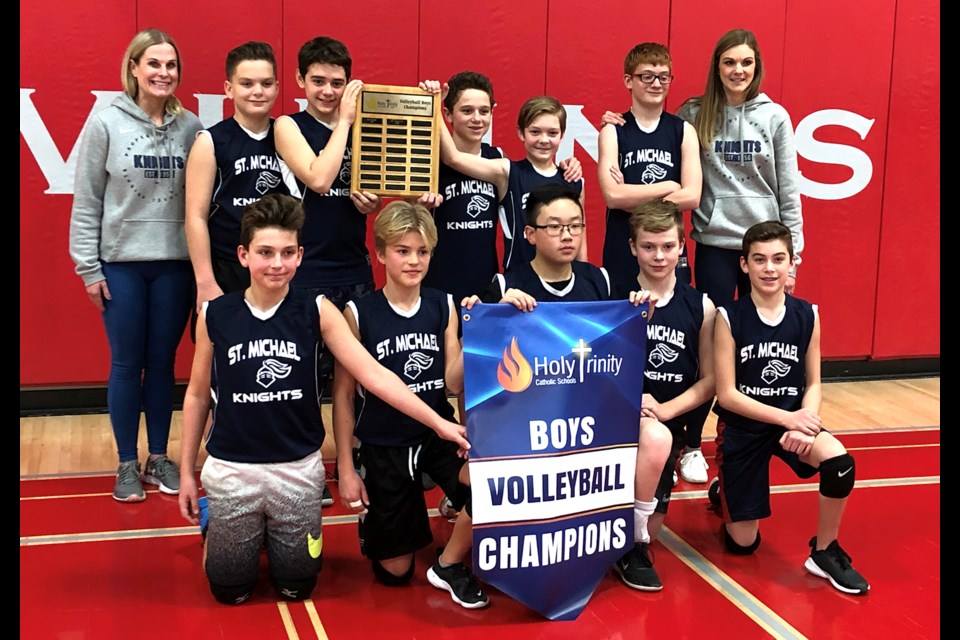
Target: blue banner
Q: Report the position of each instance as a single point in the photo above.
(553, 412)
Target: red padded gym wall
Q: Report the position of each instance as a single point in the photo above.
(862, 87)
(836, 88)
(908, 293)
(69, 54)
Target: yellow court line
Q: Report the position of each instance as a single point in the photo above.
(899, 446)
(64, 496)
(729, 588)
(315, 619)
(287, 621)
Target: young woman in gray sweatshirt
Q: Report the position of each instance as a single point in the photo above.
(749, 161)
(750, 175)
(128, 243)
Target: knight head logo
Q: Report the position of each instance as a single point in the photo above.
(345, 166)
(662, 354)
(774, 370)
(272, 370)
(416, 364)
(514, 373)
(653, 173)
(477, 205)
(267, 181)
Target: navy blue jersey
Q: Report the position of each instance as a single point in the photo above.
(247, 169)
(334, 235)
(587, 283)
(267, 399)
(770, 356)
(673, 344)
(466, 255)
(645, 158)
(411, 344)
(524, 177)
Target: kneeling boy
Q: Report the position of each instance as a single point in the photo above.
(264, 476)
(767, 353)
(411, 330)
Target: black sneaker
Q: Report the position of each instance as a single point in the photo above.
(636, 569)
(833, 563)
(327, 498)
(459, 582)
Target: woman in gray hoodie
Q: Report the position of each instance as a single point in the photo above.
(750, 175)
(749, 160)
(127, 241)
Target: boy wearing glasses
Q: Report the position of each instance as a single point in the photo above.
(555, 230)
(652, 155)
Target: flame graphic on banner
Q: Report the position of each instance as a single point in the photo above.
(514, 372)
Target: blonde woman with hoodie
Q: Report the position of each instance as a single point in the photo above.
(749, 161)
(128, 243)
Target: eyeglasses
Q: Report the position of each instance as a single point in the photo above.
(648, 78)
(555, 230)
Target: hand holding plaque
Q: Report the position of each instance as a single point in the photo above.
(396, 141)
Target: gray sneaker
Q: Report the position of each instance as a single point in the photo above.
(164, 473)
(128, 487)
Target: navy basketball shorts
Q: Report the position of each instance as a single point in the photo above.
(397, 522)
(743, 457)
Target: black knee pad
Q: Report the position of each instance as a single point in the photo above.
(837, 476)
(464, 499)
(288, 589)
(232, 595)
(386, 578)
(737, 549)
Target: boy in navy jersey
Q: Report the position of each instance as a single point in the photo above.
(555, 227)
(541, 123)
(411, 330)
(678, 376)
(315, 144)
(232, 164)
(652, 155)
(767, 348)
(264, 476)
(465, 258)
(555, 230)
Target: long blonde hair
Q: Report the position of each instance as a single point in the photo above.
(714, 99)
(140, 43)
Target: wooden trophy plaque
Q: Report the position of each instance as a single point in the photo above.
(396, 141)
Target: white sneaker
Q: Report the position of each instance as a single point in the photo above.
(676, 479)
(693, 467)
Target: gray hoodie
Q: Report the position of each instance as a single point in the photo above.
(128, 198)
(760, 183)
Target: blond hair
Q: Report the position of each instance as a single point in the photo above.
(400, 217)
(140, 43)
